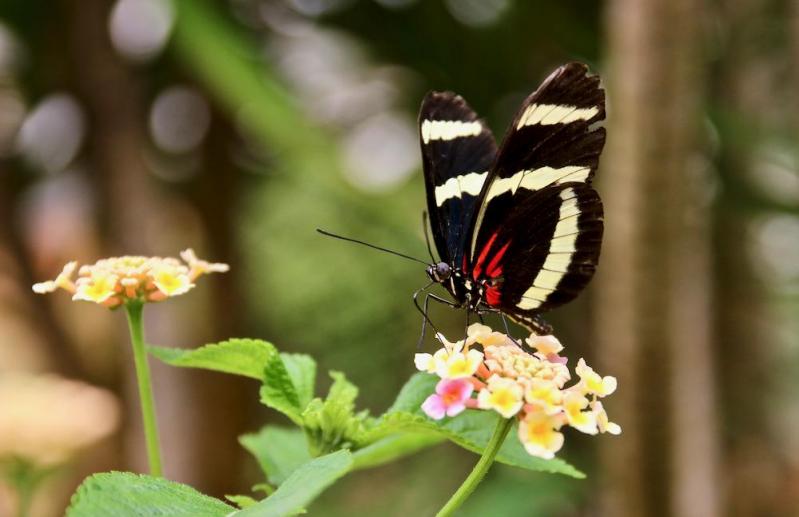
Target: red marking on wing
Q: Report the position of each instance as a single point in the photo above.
(494, 268)
(478, 267)
(492, 296)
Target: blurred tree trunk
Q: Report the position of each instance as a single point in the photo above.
(653, 309)
(748, 89)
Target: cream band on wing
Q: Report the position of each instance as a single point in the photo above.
(470, 183)
(550, 114)
(449, 129)
(537, 179)
(559, 256)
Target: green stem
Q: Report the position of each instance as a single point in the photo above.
(135, 310)
(25, 478)
(479, 471)
(25, 498)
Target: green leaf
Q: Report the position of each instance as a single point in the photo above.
(471, 429)
(332, 424)
(278, 390)
(302, 370)
(279, 451)
(287, 386)
(393, 447)
(342, 391)
(123, 494)
(302, 486)
(247, 357)
(414, 392)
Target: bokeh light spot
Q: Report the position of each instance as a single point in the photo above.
(179, 119)
(52, 133)
(477, 13)
(140, 28)
(381, 152)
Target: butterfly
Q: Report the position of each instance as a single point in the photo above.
(518, 229)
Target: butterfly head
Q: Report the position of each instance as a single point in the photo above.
(439, 272)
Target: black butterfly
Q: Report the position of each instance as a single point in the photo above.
(518, 230)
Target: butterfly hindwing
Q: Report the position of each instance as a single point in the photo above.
(457, 152)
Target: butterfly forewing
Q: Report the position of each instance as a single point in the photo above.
(457, 152)
(539, 221)
(549, 142)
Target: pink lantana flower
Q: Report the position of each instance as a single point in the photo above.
(450, 398)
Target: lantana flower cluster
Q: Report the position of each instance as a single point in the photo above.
(531, 387)
(117, 280)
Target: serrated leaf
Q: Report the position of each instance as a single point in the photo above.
(278, 390)
(247, 357)
(302, 487)
(278, 450)
(471, 429)
(342, 391)
(302, 370)
(123, 494)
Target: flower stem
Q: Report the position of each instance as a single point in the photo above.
(479, 471)
(134, 311)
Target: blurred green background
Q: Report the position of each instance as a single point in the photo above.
(237, 127)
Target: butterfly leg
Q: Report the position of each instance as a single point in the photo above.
(423, 311)
(507, 330)
(444, 301)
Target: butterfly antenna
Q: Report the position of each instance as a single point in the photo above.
(356, 241)
(427, 236)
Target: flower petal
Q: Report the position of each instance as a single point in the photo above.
(424, 363)
(434, 407)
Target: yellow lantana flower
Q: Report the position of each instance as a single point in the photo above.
(479, 333)
(602, 421)
(62, 281)
(573, 405)
(458, 365)
(539, 434)
(171, 280)
(505, 396)
(545, 395)
(545, 345)
(98, 287)
(199, 267)
(593, 383)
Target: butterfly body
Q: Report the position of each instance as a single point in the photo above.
(517, 228)
(464, 291)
